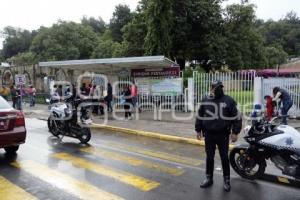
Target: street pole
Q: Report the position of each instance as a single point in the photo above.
(21, 94)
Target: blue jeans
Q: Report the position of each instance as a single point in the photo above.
(32, 100)
(134, 101)
(18, 104)
(284, 111)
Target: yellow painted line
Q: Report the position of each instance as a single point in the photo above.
(283, 180)
(133, 161)
(154, 135)
(77, 188)
(130, 179)
(9, 191)
(157, 154)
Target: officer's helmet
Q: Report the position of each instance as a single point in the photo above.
(216, 84)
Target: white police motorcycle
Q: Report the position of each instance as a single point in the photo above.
(67, 119)
(280, 144)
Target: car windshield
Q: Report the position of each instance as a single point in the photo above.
(4, 104)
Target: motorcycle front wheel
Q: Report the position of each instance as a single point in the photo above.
(245, 165)
(85, 135)
(52, 128)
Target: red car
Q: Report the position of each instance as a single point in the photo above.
(12, 127)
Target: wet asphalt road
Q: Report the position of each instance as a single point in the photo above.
(118, 166)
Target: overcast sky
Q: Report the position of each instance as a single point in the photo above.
(31, 14)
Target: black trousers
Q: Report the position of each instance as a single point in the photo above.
(222, 142)
(127, 110)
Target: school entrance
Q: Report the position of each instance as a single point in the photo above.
(158, 79)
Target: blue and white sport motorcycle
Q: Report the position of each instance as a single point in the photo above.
(266, 141)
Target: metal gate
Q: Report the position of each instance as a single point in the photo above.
(148, 101)
(290, 84)
(239, 85)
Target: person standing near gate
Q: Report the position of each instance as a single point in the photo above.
(218, 121)
(128, 102)
(32, 93)
(286, 100)
(109, 97)
(134, 94)
(14, 96)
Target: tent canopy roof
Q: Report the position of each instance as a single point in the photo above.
(110, 65)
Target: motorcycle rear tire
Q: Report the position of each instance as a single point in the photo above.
(260, 162)
(85, 137)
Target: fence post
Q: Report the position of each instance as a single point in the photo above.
(258, 99)
(190, 95)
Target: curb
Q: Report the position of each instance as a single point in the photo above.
(153, 135)
(160, 136)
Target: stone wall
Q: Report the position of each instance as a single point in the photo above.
(34, 75)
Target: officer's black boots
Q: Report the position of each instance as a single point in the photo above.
(227, 186)
(207, 182)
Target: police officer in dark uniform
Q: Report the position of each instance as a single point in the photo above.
(218, 120)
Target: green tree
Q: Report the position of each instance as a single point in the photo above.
(121, 16)
(16, 41)
(107, 48)
(134, 35)
(1, 56)
(98, 25)
(275, 56)
(285, 33)
(64, 41)
(159, 23)
(20, 59)
(187, 73)
(206, 38)
(180, 30)
(244, 42)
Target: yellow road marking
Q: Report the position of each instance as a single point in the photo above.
(157, 154)
(133, 161)
(130, 179)
(9, 191)
(283, 180)
(77, 188)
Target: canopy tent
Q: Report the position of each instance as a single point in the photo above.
(111, 65)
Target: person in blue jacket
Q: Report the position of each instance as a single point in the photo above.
(281, 95)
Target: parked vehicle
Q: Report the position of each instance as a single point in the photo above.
(280, 144)
(12, 127)
(64, 120)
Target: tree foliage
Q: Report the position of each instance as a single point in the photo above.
(98, 25)
(28, 58)
(244, 44)
(134, 35)
(195, 31)
(159, 23)
(284, 33)
(64, 41)
(121, 16)
(16, 41)
(206, 36)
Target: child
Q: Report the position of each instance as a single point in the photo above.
(269, 107)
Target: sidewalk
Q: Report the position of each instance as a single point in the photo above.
(182, 129)
(146, 122)
(169, 128)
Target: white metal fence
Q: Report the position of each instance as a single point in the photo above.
(148, 101)
(239, 85)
